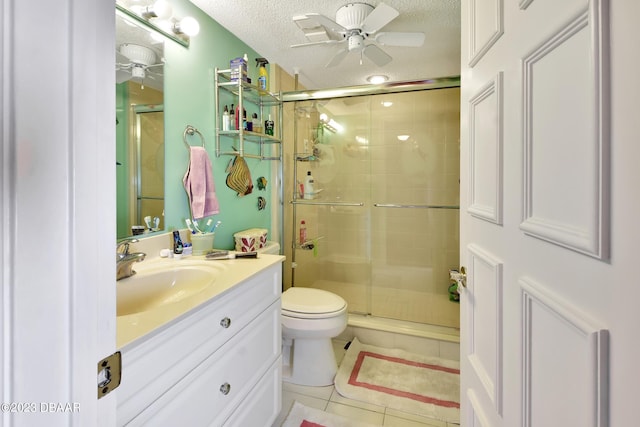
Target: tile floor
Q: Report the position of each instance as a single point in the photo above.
(328, 399)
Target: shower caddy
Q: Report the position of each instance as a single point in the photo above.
(247, 95)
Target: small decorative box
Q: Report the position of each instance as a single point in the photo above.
(250, 240)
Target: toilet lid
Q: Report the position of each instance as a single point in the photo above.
(311, 301)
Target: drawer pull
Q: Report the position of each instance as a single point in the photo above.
(225, 388)
(225, 323)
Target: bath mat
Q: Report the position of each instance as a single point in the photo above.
(427, 386)
(303, 416)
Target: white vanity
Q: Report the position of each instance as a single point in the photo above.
(202, 355)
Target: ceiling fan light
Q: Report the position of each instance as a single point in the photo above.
(138, 54)
(377, 79)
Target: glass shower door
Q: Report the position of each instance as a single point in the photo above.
(331, 145)
(382, 228)
(415, 198)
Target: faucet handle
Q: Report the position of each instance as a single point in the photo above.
(124, 243)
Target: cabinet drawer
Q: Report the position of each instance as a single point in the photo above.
(216, 387)
(156, 363)
(262, 406)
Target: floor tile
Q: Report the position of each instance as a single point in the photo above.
(319, 392)
(287, 401)
(355, 413)
(337, 398)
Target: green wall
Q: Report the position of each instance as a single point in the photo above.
(122, 170)
(189, 100)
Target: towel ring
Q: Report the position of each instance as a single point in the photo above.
(190, 130)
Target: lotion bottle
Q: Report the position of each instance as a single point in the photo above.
(225, 118)
(308, 186)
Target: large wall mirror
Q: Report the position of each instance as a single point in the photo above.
(139, 128)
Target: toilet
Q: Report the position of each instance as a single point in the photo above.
(310, 319)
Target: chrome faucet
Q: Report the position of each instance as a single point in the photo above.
(125, 259)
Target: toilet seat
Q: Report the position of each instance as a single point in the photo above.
(310, 303)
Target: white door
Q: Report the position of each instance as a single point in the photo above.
(57, 156)
(549, 212)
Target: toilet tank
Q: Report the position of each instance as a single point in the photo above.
(270, 248)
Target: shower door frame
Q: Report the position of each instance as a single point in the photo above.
(348, 92)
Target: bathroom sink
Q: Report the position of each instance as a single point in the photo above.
(162, 285)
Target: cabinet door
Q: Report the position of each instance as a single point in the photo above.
(263, 404)
(216, 387)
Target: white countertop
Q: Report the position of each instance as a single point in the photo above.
(232, 272)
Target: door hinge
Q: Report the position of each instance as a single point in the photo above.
(109, 374)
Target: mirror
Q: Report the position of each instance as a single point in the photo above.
(139, 128)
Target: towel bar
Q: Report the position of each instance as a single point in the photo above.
(190, 130)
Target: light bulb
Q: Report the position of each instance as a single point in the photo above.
(377, 79)
(188, 25)
(162, 9)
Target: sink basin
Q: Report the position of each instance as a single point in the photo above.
(162, 285)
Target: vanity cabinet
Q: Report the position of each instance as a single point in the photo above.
(218, 365)
(247, 96)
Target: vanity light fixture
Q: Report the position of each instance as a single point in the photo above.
(403, 137)
(161, 9)
(158, 16)
(187, 25)
(377, 79)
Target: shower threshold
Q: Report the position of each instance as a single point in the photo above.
(441, 333)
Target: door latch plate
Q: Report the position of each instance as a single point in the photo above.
(109, 374)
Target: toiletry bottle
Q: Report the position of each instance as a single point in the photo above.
(303, 232)
(245, 124)
(225, 118)
(262, 73)
(308, 186)
(177, 243)
(256, 123)
(232, 119)
(268, 126)
(249, 123)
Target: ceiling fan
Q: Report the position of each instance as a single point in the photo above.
(136, 61)
(356, 24)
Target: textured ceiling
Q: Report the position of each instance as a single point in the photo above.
(268, 28)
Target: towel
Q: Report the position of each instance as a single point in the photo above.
(198, 182)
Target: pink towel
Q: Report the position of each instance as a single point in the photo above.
(198, 182)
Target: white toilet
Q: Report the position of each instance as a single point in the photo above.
(310, 318)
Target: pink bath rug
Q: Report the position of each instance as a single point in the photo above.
(304, 416)
(408, 382)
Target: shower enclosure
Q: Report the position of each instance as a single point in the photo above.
(382, 225)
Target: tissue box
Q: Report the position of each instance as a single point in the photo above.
(238, 69)
(250, 240)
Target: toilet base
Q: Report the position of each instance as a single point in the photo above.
(313, 362)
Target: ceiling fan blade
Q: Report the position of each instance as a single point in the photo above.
(378, 18)
(338, 57)
(400, 39)
(334, 29)
(376, 55)
(316, 43)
